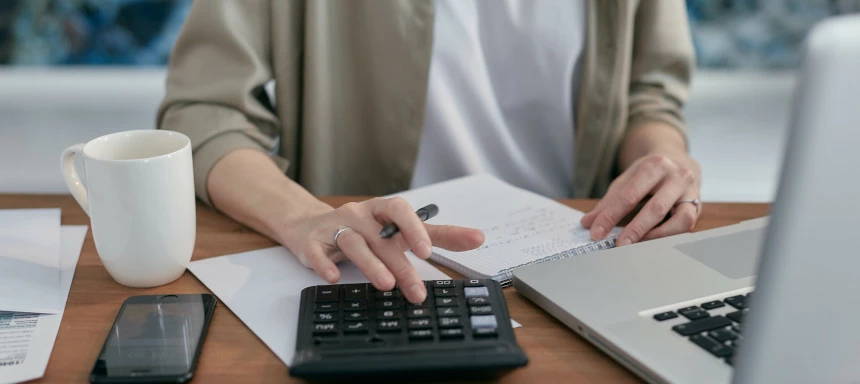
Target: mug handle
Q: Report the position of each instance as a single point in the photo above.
(70, 175)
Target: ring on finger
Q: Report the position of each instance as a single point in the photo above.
(696, 202)
(337, 234)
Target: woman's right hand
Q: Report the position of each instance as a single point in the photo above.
(382, 261)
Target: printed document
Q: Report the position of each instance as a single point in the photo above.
(27, 339)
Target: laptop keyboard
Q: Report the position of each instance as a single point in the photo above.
(715, 326)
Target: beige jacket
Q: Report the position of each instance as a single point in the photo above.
(351, 81)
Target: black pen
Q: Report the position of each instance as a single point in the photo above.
(424, 213)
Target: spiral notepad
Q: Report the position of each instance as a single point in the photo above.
(520, 227)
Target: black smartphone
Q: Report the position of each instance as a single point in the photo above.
(155, 339)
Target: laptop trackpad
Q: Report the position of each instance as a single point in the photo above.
(733, 255)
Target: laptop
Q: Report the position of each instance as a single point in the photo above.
(771, 300)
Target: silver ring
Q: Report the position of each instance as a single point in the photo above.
(696, 202)
(337, 234)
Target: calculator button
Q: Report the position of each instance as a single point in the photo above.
(478, 301)
(421, 334)
(422, 304)
(388, 325)
(355, 292)
(447, 311)
(484, 332)
(422, 323)
(361, 315)
(443, 284)
(388, 314)
(388, 304)
(357, 327)
(325, 307)
(325, 329)
(418, 312)
(446, 302)
(444, 292)
(387, 294)
(355, 305)
(326, 293)
(481, 310)
(324, 317)
(452, 333)
(449, 322)
(483, 322)
(476, 291)
(474, 283)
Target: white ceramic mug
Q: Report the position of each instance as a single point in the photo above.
(139, 194)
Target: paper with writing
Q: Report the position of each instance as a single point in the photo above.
(520, 226)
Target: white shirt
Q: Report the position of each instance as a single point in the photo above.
(501, 93)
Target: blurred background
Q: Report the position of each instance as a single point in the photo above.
(71, 70)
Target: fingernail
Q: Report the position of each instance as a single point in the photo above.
(330, 275)
(417, 291)
(425, 250)
(624, 241)
(598, 232)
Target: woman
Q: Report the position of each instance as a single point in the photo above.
(566, 98)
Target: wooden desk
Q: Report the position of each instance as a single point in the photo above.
(232, 353)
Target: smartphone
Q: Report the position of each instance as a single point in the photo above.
(155, 339)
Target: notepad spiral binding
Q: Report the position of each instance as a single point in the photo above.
(505, 276)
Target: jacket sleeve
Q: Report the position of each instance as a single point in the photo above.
(662, 63)
(214, 89)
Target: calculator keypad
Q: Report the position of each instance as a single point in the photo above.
(453, 310)
(354, 329)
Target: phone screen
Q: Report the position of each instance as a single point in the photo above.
(155, 336)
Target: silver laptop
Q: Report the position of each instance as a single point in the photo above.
(703, 307)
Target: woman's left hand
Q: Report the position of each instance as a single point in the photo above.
(668, 179)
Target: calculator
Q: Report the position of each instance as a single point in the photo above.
(350, 330)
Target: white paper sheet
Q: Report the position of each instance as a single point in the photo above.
(30, 260)
(27, 339)
(519, 226)
(263, 288)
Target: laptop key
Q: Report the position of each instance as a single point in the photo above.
(695, 314)
(701, 325)
(723, 335)
(737, 316)
(738, 301)
(714, 347)
(713, 305)
(665, 316)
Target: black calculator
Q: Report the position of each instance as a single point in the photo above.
(350, 330)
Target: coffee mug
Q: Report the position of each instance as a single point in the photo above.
(138, 191)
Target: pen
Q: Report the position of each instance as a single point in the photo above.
(424, 213)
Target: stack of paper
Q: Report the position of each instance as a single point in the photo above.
(37, 264)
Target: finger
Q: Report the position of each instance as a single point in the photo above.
(390, 251)
(652, 213)
(321, 264)
(682, 221)
(454, 238)
(625, 198)
(407, 277)
(411, 228)
(588, 220)
(355, 248)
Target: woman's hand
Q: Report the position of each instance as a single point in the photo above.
(668, 179)
(382, 261)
